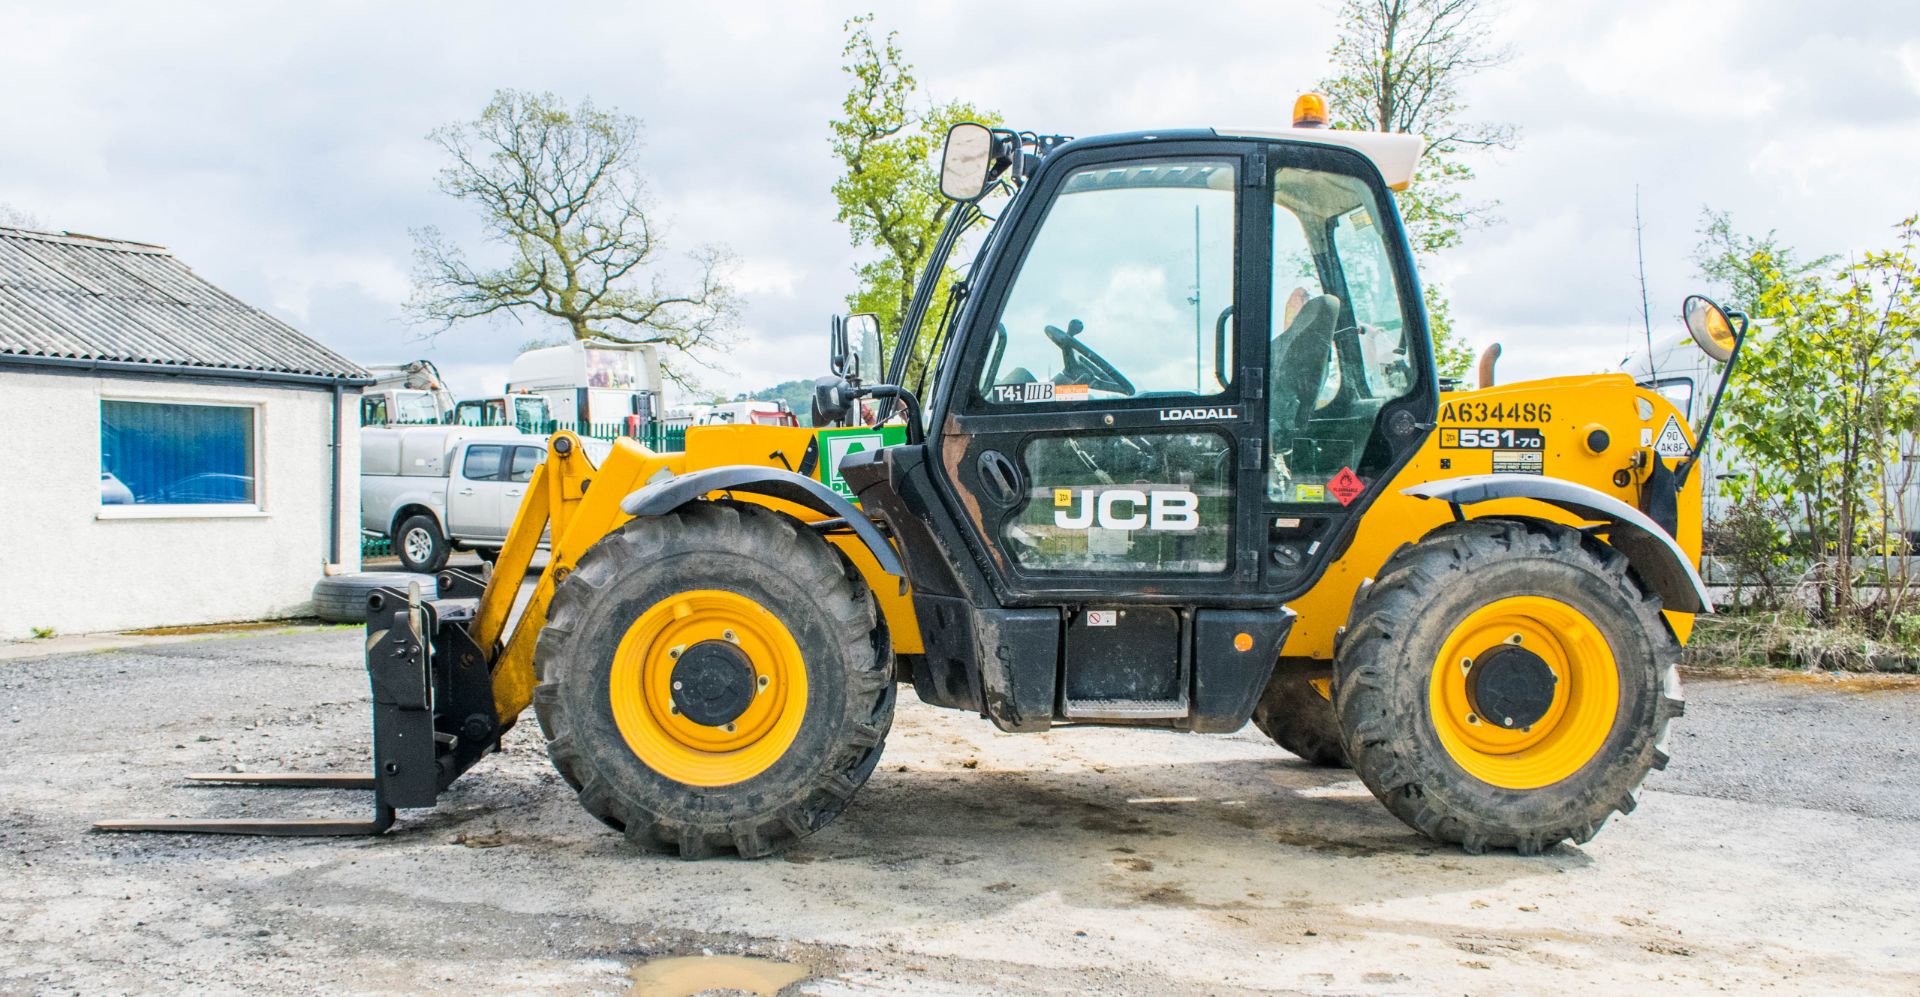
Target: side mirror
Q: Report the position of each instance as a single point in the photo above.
(862, 332)
(1711, 328)
(966, 162)
(853, 351)
(837, 354)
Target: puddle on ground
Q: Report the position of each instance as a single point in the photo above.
(683, 976)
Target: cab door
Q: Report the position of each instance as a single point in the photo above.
(519, 472)
(1103, 428)
(1099, 428)
(474, 493)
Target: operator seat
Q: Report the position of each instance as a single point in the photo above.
(1300, 357)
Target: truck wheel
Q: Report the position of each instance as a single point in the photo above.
(420, 545)
(716, 679)
(1298, 716)
(1506, 684)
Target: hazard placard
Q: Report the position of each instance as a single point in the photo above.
(1673, 440)
(1346, 486)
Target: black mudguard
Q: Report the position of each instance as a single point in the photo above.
(1650, 549)
(662, 497)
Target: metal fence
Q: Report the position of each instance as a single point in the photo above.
(660, 437)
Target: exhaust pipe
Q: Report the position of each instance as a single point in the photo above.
(1488, 357)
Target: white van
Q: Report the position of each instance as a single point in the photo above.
(592, 382)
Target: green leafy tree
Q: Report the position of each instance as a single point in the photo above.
(888, 141)
(1744, 268)
(1824, 389)
(558, 189)
(1398, 66)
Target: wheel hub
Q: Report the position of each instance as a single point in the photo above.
(713, 683)
(1511, 687)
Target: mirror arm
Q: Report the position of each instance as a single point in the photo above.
(896, 394)
(1685, 469)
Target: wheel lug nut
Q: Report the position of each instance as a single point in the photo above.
(728, 728)
(730, 637)
(1515, 639)
(1466, 664)
(1472, 719)
(676, 685)
(675, 710)
(674, 652)
(765, 681)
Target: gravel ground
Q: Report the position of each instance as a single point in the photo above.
(1777, 853)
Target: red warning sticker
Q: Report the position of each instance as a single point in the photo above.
(1346, 486)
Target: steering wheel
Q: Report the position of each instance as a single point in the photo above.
(1076, 355)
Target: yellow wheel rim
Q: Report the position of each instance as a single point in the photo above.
(668, 740)
(1573, 727)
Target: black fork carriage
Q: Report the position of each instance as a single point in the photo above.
(433, 717)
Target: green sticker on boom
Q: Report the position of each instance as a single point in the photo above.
(837, 445)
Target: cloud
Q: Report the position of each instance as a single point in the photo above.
(279, 150)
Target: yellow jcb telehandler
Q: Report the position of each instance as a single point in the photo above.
(1174, 455)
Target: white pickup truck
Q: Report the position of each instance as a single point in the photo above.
(432, 490)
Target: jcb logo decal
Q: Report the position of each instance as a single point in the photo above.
(1172, 510)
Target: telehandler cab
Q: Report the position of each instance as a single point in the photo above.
(1173, 455)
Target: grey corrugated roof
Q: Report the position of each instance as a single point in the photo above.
(77, 297)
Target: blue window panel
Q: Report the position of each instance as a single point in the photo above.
(155, 453)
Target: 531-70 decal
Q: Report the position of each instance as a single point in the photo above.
(1492, 439)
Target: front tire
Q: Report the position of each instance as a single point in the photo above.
(713, 680)
(1506, 684)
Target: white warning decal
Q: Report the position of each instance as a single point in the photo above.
(1672, 441)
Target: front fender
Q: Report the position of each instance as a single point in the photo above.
(1651, 550)
(664, 496)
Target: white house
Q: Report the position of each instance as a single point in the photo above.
(179, 457)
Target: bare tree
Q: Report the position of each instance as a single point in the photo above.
(558, 187)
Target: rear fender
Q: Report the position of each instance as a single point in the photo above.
(663, 497)
(1658, 560)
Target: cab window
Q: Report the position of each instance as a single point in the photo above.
(482, 463)
(1123, 289)
(525, 459)
(1339, 350)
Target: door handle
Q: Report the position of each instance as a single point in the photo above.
(999, 477)
(466, 491)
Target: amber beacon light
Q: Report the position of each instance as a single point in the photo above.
(1310, 111)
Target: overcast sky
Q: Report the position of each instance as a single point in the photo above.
(279, 149)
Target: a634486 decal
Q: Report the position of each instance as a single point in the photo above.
(1470, 411)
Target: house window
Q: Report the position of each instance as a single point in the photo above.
(162, 453)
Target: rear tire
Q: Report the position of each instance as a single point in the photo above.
(640, 611)
(1571, 750)
(1297, 717)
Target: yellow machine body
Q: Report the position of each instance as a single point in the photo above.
(577, 504)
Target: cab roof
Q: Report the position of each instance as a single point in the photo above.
(1394, 154)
